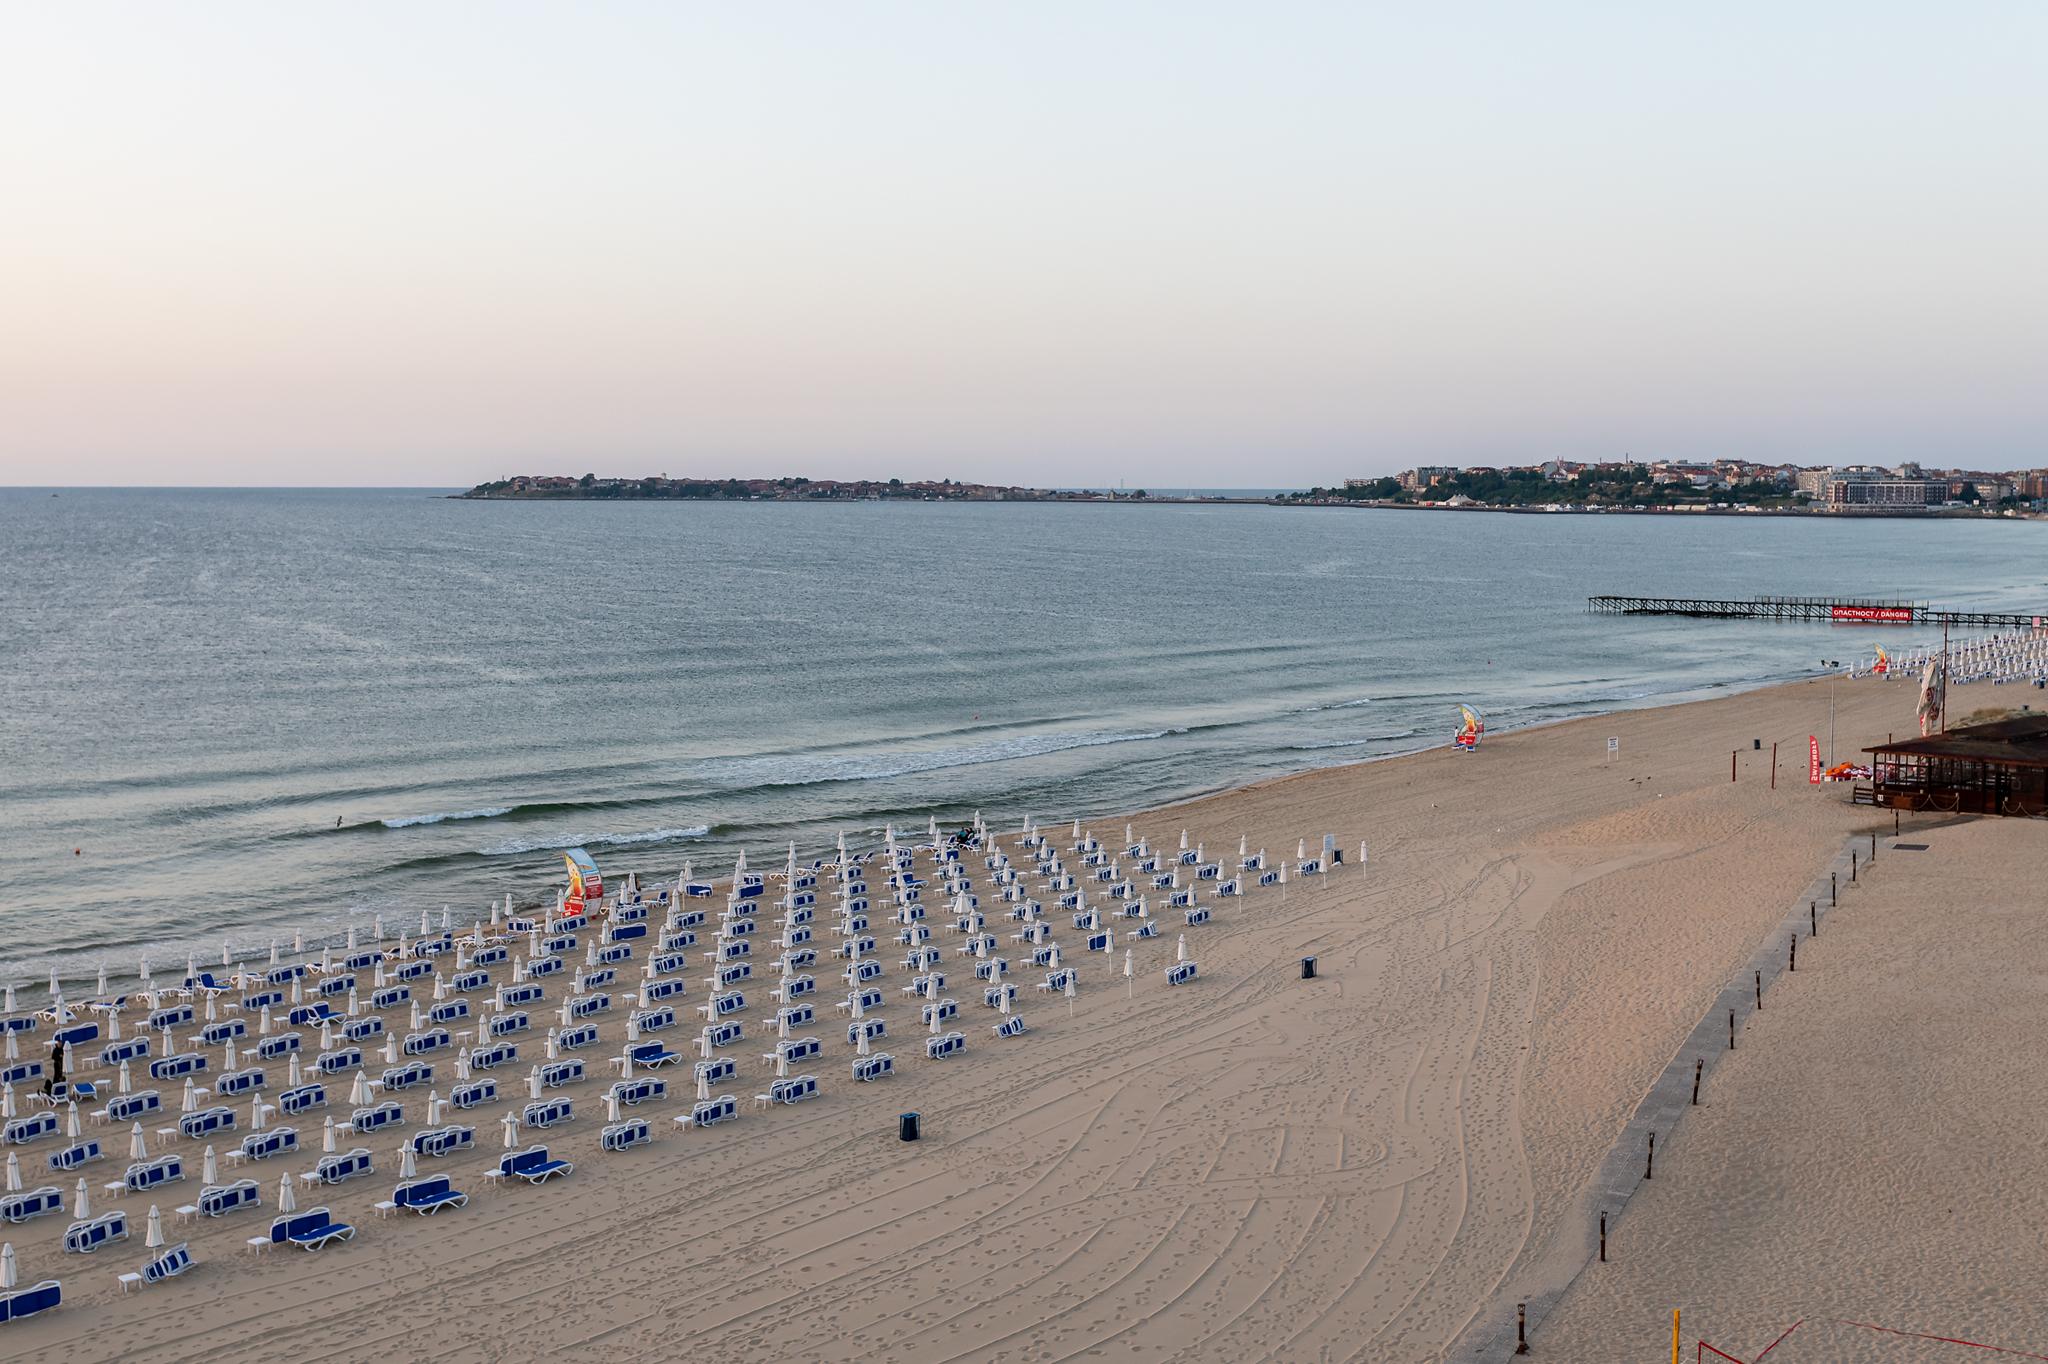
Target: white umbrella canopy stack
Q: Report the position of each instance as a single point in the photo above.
(703, 1092)
(263, 1022)
(191, 1099)
(212, 1007)
(114, 1025)
(13, 1173)
(13, 1047)
(1180, 948)
(7, 1270)
(359, 1092)
(326, 1035)
(611, 1105)
(287, 1204)
(153, 1239)
(255, 1112)
(533, 1083)
(138, 1143)
(462, 1064)
(626, 1066)
(406, 1168)
(510, 1122)
(293, 1075)
(209, 1169)
(81, 1202)
(390, 1049)
(229, 1058)
(298, 990)
(327, 1135)
(433, 1108)
(7, 1101)
(71, 1120)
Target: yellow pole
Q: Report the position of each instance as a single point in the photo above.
(1674, 1335)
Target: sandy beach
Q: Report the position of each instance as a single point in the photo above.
(1366, 1166)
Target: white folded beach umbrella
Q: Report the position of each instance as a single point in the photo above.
(56, 990)
(510, 1123)
(518, 970)
(263, 1022)
(1183, 840)
(292, 1073)
(13, 1047)
(190, 1103)
(377, 928)
(351, 937)
(355, 1005)
(298, 990)
(286, 1202)
(71, 1121)
(81, 1201)
(273, 951)
(553, 1045)
(414, 1016)
(1241, 841)
(138, 1143)
(327, 1134)
(433, 1108)
(255, 1112)
(103, 979)
(13, 1173)
(611, 1105)
(1180, 948)
(377, 981)
(228, 1057)
(533, 1083)
(440, 987)
(390, 1049)
(860, 1042)
(212, 1009)
(209, 1168)
(114, 1025)
(7, 1270)
(298, 943)
(424, 930)
(462, 1064)
(153, 1239)
(326, 1034)
(70, 1060)
(406, 1168)
(404, 944)
(359, 1092)
(626, 1066)
(227, 956)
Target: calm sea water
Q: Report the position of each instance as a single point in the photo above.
(255, 712)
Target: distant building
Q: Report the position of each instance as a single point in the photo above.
(1426, 476)
(1859, 489)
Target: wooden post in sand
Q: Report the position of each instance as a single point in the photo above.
(1852, 866)
(1774, 767)
(1834, 889)
(1603, 1238)
(1795, 951)
(1813, 911)
(1699, 1064)
(1732, 754)
(1759, 990)
(1521, 1328)
(1650, 1166)
(1731, 1030)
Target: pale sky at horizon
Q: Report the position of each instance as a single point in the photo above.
(1170, 244)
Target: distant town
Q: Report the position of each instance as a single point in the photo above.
(1722, 484)
(1727, 485)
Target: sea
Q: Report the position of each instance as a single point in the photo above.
(231, 717)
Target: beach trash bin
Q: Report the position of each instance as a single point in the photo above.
(1308, 968)
(1756, 745)
(906, 1127)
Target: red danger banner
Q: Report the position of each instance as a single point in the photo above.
(1890, 615)
(1813, 758)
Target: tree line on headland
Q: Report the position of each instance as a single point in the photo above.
(662, 487)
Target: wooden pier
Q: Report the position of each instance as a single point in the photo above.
(1833, 610)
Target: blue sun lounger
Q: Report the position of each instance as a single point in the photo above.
(309, 1230)
(428, 1195)
(21, 1131)
(334, 1169)
(21, 1207)
(221, 1199)
(474, 1093)
(85, 1237)
(149, 1174)
(620, 1136)
(305, 1098)
(27, 1302)
(709, 1111)
(169, 1265)
(547, 1112)
(533, 1165)
(276, 1142)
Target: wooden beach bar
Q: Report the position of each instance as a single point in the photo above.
(1999, 768)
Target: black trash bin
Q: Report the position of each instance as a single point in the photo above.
(906, 1127)
(1308, 968)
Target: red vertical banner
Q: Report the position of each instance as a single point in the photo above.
(1813, 758)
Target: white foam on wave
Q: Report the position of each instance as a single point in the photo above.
(1353, 743)
(488, 812)
(811, 770)
(552, 842)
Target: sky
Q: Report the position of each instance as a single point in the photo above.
(1177, 244)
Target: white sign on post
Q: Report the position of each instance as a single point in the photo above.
(1613, 747)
